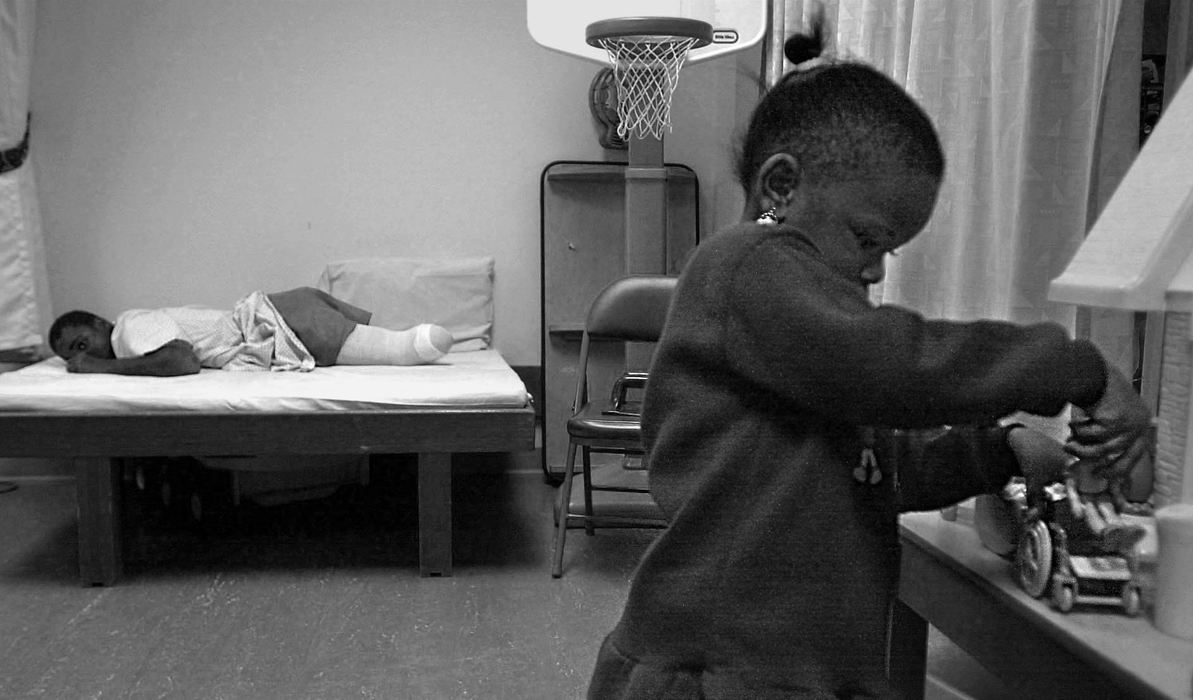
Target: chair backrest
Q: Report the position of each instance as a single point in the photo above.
(631, 308)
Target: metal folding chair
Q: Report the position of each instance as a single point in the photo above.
(631, 309)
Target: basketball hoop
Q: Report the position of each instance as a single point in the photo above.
(646, 54)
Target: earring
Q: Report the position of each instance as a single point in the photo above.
(768, 218)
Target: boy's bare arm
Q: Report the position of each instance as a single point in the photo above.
(173, 359)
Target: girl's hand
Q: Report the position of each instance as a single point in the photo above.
(1042, 459)
(1117, 472)
(1109, 432)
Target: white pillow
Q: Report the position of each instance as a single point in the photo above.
(403, 292)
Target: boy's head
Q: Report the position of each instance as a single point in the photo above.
(833, 138)
(75, 332)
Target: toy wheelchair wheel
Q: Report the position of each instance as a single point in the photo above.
(1063, 596)
(1033, 558)
(1131, 600)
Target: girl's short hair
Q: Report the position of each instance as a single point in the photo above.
(839, 118)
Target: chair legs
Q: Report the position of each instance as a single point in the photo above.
(561, 523)
(587, 474)
(565, 515)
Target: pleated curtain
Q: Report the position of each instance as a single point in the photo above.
(1033, 103)
(24, 301)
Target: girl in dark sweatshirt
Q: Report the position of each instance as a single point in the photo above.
(788, 420)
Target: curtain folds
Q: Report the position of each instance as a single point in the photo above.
(1016, 89)
(24, 298)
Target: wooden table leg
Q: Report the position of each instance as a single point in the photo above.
(435, 514)
(97, 494)
(907, 657)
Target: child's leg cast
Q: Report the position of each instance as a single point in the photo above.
(371, 345)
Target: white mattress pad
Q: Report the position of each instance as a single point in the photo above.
(475, 379)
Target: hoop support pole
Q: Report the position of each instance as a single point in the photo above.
(646, 208)
(635, 173)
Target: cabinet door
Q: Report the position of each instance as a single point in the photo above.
(583, 249)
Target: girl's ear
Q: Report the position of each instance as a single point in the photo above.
(777, 182)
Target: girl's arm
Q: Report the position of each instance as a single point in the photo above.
(937, 468)
(813, 339)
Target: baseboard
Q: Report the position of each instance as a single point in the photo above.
(936, 689)
(36, 479)
(513, 469)
(12, 468)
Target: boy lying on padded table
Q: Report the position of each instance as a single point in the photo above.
(297, 330)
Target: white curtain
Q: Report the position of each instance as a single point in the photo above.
(1015, 88)
(23, 294)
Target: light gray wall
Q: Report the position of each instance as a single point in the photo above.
(188, 152)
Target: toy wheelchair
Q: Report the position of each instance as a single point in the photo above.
(1072, 569)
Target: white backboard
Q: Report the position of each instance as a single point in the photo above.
(561, 24)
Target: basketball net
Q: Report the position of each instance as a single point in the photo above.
(646, 70)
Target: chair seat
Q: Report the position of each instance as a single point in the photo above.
(593, 423)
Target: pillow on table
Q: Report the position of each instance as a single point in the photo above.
(454, 293)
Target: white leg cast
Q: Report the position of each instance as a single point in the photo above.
(371, 345)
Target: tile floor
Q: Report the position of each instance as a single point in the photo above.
(322, 599)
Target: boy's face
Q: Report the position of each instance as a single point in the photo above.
(876, 214)
(94, 340)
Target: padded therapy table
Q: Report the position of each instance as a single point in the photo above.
(465, 402)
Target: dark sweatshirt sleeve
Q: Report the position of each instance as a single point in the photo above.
(812, 338)
(940, 467)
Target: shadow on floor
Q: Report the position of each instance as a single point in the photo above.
(359, 525)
